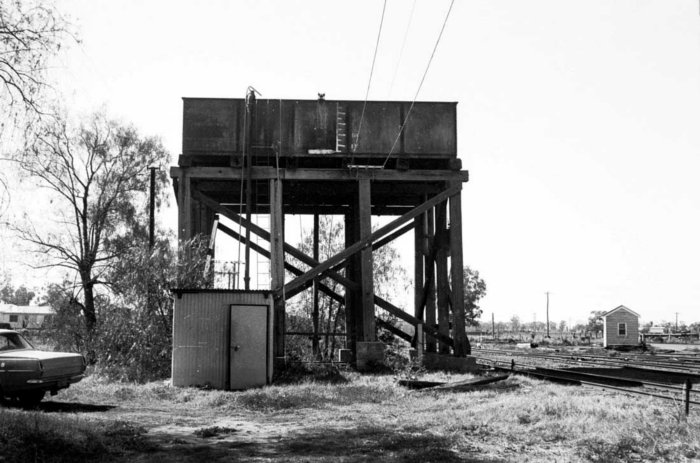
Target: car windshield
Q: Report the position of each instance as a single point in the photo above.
(13, 341)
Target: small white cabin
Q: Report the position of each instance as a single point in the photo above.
(25, 316)
(620, 327)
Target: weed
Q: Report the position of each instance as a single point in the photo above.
(213, 431)
(35, 437)
(403, 362)
(601, 450)
(299, 372)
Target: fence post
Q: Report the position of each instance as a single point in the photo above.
(686, 389)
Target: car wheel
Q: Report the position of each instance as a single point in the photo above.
(30, 399)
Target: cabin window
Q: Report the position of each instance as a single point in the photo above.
(13, 318)
(622, 329)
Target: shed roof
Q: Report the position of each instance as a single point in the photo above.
(618, 308)
(26, 309)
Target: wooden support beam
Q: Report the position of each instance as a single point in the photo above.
(277, 265)
(389, 238)
(394, 330)
(443, 286)
(289, 267)
(268, 173)
(430, 330)
(418, 274)
(429, 278)
(376, 235)
(264, 234)
(430, 300)
(351, 293)
(462, 346)
(366, 267)
(375, 246)
(380, 302)
(184, 209)
(212, 244)
(315, 314)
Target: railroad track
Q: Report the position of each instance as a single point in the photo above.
(670, 380)
(672, 363)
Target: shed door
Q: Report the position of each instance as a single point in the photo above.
(248, 346)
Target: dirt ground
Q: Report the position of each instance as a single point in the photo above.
(371, 418)
(175, 434)
(178, 434)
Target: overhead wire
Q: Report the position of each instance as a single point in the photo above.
(369, 83)
(403, 46)
(420, 85)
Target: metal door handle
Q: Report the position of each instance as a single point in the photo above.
(236, 348)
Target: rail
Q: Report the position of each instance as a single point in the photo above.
(600, 380)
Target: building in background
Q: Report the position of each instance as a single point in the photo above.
(22, 317)
(620, 327)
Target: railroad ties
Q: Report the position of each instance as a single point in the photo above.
(663, 376)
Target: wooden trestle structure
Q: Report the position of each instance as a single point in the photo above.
(281, 157)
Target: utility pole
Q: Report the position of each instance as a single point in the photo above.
(676, 321)
(547, 293)
(493, 326)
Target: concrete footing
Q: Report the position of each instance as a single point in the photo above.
(369, 354)
(433, 361)
(344, 355)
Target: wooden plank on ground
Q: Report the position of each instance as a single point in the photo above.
(465, 385)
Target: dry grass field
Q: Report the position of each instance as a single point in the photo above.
(350, 419)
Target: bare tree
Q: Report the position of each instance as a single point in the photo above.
(31, 32)
(97, 175)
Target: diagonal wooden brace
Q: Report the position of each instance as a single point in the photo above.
(294, 252)
(367, 241)
(264, 234)
(326, 289)
(288, 248)
(291, 268)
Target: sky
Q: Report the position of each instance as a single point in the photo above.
(577, 120)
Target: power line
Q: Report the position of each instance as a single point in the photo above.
(403, 45)
(369, 83)
(408, 114)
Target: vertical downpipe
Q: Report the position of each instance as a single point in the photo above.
(250, 114)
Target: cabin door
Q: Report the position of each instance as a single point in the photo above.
(248, 349)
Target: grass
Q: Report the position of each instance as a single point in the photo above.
(363, 418)
(34, 436)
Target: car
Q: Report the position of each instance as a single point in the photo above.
(27, 374)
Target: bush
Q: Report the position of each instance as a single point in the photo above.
(402, 361)
(132, 339)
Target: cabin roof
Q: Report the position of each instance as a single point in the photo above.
(619, 308)
(26, 309)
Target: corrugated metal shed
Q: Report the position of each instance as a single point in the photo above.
(202, 342)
